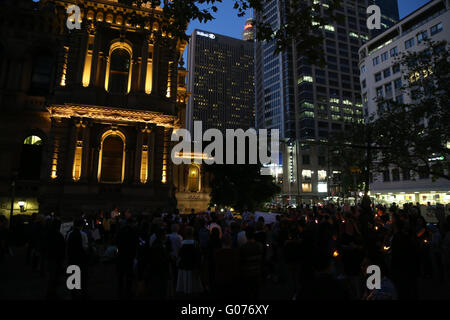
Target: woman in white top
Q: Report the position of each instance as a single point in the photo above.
(189, 261)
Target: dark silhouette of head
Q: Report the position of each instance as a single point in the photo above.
(250, 233)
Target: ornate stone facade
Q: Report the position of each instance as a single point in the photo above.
(87, 114)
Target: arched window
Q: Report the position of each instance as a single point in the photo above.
(119, 72)
(42, 75)
(194, 179)
(112, 156)
(31, 158)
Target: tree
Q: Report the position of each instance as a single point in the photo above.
(241, 186)
(302, 22)
(350, 151)
(411, 136)
(416, 135)
(350, 161)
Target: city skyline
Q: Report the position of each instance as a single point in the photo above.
(254, 172)
(227, 22)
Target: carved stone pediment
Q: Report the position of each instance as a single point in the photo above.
(114, 114)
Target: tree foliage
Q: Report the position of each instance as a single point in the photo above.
(416, 134)
(410, 136)
(241, 186)
(302, 21)
(348, 153)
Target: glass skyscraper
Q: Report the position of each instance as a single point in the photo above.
(307, 103)
(221, 80)
(389, 15)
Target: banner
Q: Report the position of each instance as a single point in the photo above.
(429, 213)
(65, 228)
(268, 217)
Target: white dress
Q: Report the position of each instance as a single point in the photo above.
(188, 281)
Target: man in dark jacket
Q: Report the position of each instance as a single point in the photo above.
(404, 262)
(251, 262)
(56, 253)
(127, 241)
(77, 255)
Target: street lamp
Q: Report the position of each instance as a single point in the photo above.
(22, 205)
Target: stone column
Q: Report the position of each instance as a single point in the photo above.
(95, 58)
(163, 72)
(152, 156)
(86, 155)
(156, 67)
(96, 162)
(74, 42)
(50, 149)
(101, 72)
(59, 152)
(74, 131)
(128, 176)
(135, 73)
(143, 75)
(138, 153)
(80, 46)
(173, 76)
(167, 149)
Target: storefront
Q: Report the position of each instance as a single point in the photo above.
(433, 197)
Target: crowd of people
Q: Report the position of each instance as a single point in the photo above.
(313, 252)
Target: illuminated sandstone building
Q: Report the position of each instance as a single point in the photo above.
(87, 114)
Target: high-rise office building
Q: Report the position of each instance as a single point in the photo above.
(249, 30)
(221, 80)
(382, 75)
(274, 77)
(308, 103)
(389, 15)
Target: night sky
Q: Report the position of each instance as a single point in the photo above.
(228, 23)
